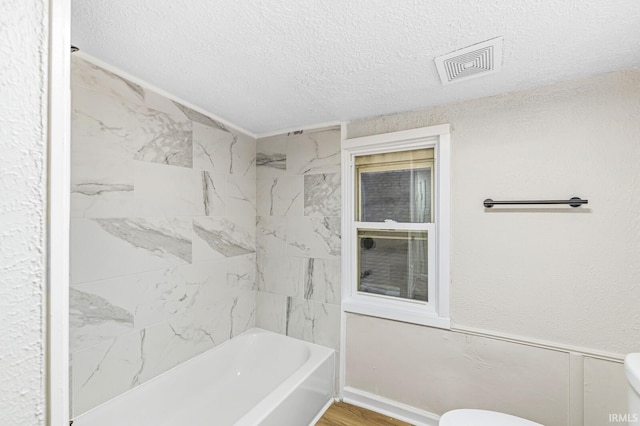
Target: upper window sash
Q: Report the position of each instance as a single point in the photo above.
(413, 167)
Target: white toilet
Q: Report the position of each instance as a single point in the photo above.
(632, 369)
(467, 417)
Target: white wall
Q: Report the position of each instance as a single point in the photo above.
(437, 370)
(23, 140)
(565, 276)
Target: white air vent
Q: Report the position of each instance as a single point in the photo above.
(471, 62)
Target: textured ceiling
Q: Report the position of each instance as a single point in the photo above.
(275, 64)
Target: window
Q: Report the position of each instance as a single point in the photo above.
(394, 188)
(396, 225)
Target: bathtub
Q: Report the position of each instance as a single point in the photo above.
(256, 378)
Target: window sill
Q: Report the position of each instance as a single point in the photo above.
(408, 313)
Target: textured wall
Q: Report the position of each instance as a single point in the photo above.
(437, 370)
(558, 274)
(162, 234)
(298, 235)
(23, 89)
(565, 275)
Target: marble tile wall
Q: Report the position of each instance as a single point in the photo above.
(298, 235)
(163, 235)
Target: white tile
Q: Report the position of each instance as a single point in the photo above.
(101, 173)
(317, 237)
(241, 196)
(104, 131)
(313, 322)
(214, 193)
(169, 141)
(109, 308)
(271, 235)
(105, 370)
(271, 157)
(243, 156)
(322, 195)
(170, 343)
(112, 129)
(280, 274)
(161, 190)
(314, 152)
(211, 149)
(271, 311)
(322, 280)
(177, 291)
(198, 117)
(232, 314)
(243, 313)
(102, 194)
(219, 237)
(241, 272)
(86, 74)
(281, 196)
(159, 102)
(98, 313)
(107, 248)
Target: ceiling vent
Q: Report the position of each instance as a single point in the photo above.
(471, 62)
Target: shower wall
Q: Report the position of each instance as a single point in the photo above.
(163, 234)
(298, 235)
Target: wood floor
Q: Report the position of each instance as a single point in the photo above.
(342, 414)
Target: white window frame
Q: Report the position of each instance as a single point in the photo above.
(435, 313)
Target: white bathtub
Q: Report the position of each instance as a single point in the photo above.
(257, 378)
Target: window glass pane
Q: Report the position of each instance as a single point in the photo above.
(396, 186)
(400, 195)
(393, 263)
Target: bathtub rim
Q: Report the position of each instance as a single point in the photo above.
(313, 353)
(318, 355)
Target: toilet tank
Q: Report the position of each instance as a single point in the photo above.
(632, 370)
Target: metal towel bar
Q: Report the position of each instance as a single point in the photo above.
(573, 202)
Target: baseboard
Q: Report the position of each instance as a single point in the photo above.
(389, 407)
(321, 412)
